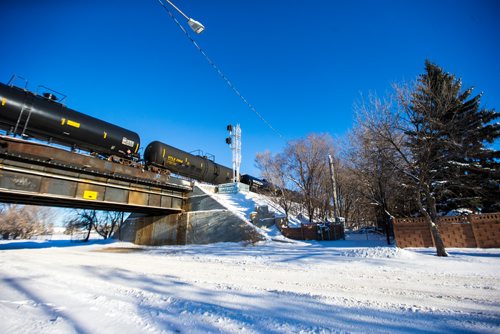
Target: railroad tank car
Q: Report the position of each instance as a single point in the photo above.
(256, 184)
(186, 164)
(25, 113)
(253, 182)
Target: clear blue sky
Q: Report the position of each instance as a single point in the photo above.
(302, 64)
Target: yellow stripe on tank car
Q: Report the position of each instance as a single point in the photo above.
(136, 147)
(105, 134)
(73, 123)
(163, 156)
(63, 121)
(4, 101)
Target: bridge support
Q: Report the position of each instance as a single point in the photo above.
(195, 227)
(207, 222)
(144, 229)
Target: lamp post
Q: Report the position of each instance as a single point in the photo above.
(195, 25)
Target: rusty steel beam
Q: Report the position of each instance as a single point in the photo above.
(24, 185)
(45, 155)
(32, 173)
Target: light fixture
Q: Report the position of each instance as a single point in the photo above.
(195, 25)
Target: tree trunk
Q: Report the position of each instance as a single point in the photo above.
(387, 225)
(284, 202)
(91, 223)
(438, 241)
(110, 232)
(88, 233)
(310, 210)
(436, 235)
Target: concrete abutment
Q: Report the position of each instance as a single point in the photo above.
(206, 221)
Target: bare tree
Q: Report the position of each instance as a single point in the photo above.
(104, 223)
(300, 174)
(390, 125)
(108, 223)
(347, 192)
(374, 162)
(25, 221)
(273, 169)
(307, 166)
(82, 220)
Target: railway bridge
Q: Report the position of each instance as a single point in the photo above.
(165, 209)
(38, 174)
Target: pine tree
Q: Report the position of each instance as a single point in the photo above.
(454, 131)
(446, 135)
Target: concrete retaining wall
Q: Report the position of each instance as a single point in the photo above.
(204, 227)
(201, 201)
(143, 229)
(201, 227)
(207, 221)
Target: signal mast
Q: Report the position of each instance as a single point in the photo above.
(234, 142)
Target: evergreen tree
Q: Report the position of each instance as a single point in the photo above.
(450, 138)
(440, 136)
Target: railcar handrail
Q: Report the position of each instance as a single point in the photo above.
(202, 154)
(16, 77)
(60, 96)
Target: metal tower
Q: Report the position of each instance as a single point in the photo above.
(234, 141)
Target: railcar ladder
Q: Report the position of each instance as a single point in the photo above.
(23, 119)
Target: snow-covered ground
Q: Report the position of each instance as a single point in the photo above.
(273, 287)
(245, 202)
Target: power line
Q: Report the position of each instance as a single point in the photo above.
(218, 70)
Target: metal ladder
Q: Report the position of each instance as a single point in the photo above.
(26, 112)
(26, 108)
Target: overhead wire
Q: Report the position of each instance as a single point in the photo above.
(217, 69)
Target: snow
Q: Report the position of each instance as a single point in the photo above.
(459, 212)
(245, 202)
(356, 285)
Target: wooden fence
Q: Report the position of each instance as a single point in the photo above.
(313, 232)
(482, 231)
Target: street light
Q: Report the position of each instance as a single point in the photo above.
(195, 25)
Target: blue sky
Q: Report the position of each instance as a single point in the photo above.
(302, 64)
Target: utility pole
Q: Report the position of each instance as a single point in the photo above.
(334, 188)
(334, 193)
(234, 142)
